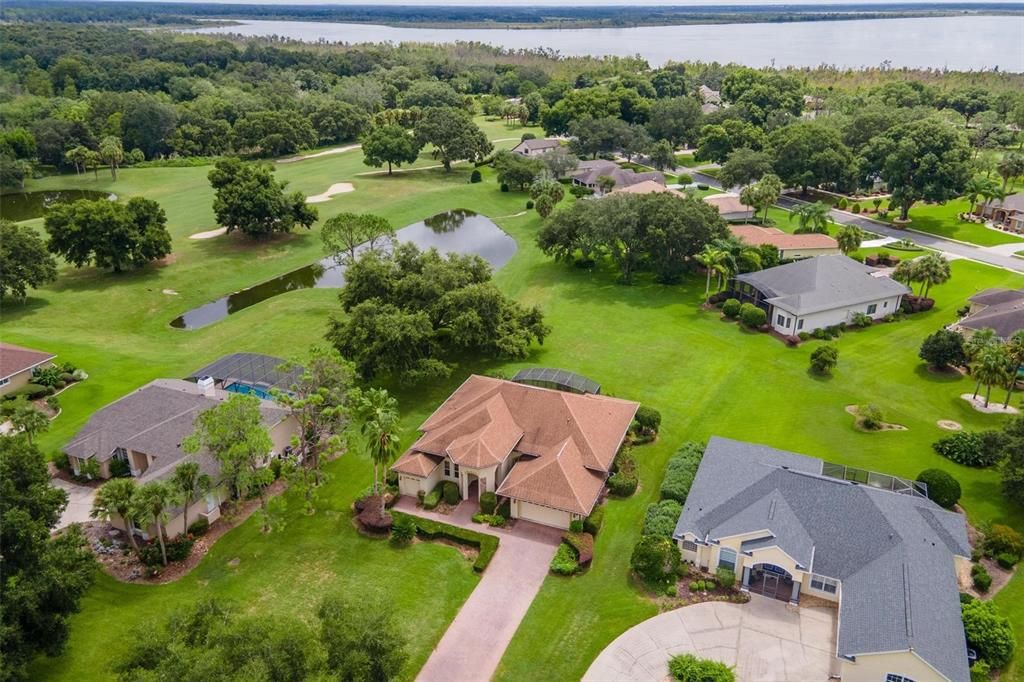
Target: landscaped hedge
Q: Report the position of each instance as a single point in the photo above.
(592, 524)
(689, 668)
(661, 518)
(625, 480)
(450, 493)
(431, 530)
(583, 543)
(971, 448)
(488, 502)
(565, 562)
(680, 471)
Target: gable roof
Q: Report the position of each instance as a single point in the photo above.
(572, 438)
(648, 187)
(892, 553)
(755, 235)
(728, 204)
(154, 420)
(1003, 312)
(588, 173)
(537, 144)
(1014, 202)
(16, 359)
(823, 283)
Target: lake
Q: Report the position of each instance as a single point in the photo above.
(457, 231)
(18, 206)
(961, 43)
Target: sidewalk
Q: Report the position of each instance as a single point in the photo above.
(474, 643)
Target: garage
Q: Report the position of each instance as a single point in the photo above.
(547, 516)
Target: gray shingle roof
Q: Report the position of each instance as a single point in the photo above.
(1004, 312)
(538, 144)
(588, 172)
(822, 283)
(893, 553)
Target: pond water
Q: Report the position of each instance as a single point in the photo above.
(18, 206)
(457, 231)
(968, 42)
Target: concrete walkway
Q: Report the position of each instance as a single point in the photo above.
(79, 502)
(766, 640)
(474, 643)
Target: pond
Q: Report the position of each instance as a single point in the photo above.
(457, 231)
(19, 206)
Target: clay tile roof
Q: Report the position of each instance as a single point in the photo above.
(416, 463)
(755, 235)
(727, 203)
(559, 481)
(15, 359)
(647, 187)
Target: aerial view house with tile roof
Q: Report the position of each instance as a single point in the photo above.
(1008, 212)
(819, 292)
(790, 246)
(16, 365)
(790, 525)
(549, 452)
(1001, 310)
(145, 430)
(535, 147)
(587, 174)
(730, 207)
(648, 187)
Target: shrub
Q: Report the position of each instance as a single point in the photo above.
(702, 186)
(403, 530)
(624, 481)
(1007, 560)
(752, 317)
(824, 359)
(966, 597)
(980, 671)
(592, 524)
(870, 417)
(981, 579)
(487, 544)
(661, 518)
(31, 391)
(694, 586)
(942, 349)
(450, 493)
(529, 204)
(177, 549)
(988, 631)
(60, 460)
(804, 336)
(943, 489)
(648, 419)
(579, 191)
(504, 187)
(862, 320)
(671, 591)
(46, 376)
(576, 526)
(79, 375)
(432, 499)
(689, 668)
(971, 448)
(1002, 538)
(119, 468)
(680, 471)
(726, 577)
(583, 543)
(565, 562)
(488, 502)
(855, 208)
(655, 559)
(843, 203)
(731, 308)
(475, 176)
(198, 527)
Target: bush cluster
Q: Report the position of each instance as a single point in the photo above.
(703, 585)
(198, 528)
(487, 544)
(177, 549)
(726, 577)
(625, 480)
(493, 520)
(689, 668)
(980, 577)
(988, 631)
(1002, 539)
(971, 448)
(488, 502)
(565, 561)
(731, 308)
(752, 317)
(862, 320)
(655, 559)
(661, 518)
(583, 543)
(592, 524)
(680, 471)
(943, 489)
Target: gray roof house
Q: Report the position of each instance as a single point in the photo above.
(588, 172)
(791, 525)
(1008, 212)
(819, 292)
(535, 147)
(1001, 310)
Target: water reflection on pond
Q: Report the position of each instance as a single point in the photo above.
(458, 231)
(18, 206)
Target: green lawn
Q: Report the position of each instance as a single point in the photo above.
(647, 342)
(687, 160)
(942, 220)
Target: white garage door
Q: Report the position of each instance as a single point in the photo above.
(544, 515)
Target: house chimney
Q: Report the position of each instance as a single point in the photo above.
(207, 385)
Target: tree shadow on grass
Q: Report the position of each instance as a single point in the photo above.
(818, 377)
(13, 311)
(950, 376)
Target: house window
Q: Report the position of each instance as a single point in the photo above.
(121, 454)
(789, 322)
(799, 324)
(872, 309)
(820, 582)
(448, 468)
(885, 304)
(780, 320)
(727, 558)
(689, 546)
(893, 677)
(5, 381)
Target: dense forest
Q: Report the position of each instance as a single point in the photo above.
(79, 11)
(76, 98)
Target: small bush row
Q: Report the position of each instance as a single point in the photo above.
(494, 520)
(972, 448)
(431, 530)
(565, 561)
(625, 480)
(680, 471)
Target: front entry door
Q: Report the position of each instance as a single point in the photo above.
(771, 584)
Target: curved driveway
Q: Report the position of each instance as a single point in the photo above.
(766, 640)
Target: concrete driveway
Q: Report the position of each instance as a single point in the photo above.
(79, 502)
(472, 646)
(766, 641)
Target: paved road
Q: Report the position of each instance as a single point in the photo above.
(995, 256)
(766, 640)
(472, 647)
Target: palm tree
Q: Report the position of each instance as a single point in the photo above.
(713, 259)
(25, 418)
(377, 414)
(932, 269)
(849, 239)
(112, 153)
(979, 341)
(189, 482)
(1010, 166)
(991, 367)
(116, 498)
(993, 192)
(1014, 348)
(978, 186)
(150, 505)
(78, 157)
(907, 271)
(812, 217)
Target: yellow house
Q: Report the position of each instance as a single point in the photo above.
(789, 526)
(16, 365)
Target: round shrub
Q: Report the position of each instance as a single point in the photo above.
(981, 579)
(943, 489)
(527, 136)
(529, 204)
(988, 631)
(475, 176)
(731, 308)
(855, 208)
(621, 484)
(198, 527)
(504, 187)
(655, 559)
(870, 417)
(981, 672)
(684, 179)
(843, 203)
(576, 526)
(661, 518)
(753, 317)
(689, 668)
(701, 186)
(671, 591)
(450, 493)
(824, 359)
(488, 502)
(726, 578)
(403, 529)
(648, 419)
(1007, 560)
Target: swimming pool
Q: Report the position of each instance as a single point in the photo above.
(249, 389)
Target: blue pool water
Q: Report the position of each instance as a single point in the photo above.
(249, 389)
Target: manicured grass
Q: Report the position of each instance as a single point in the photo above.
(942, 220)
(647, 342)
(687, 160)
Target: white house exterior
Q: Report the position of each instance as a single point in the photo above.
(819, 292)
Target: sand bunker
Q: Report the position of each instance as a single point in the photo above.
(994, 406)
(949, 425)
(209, 234)
(317, 155)
(336, 188)
(170, 292)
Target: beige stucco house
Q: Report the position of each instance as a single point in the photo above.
(16, 365)
(889, 558)
(1007, 213)
(790, 246)
(1001, 310)
(730, 207)
(548, 452)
